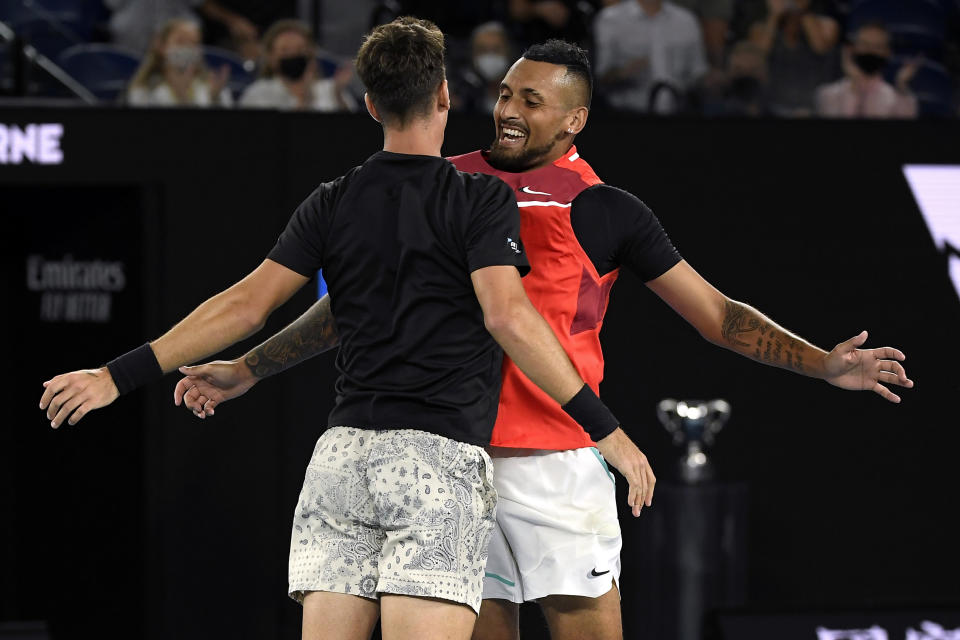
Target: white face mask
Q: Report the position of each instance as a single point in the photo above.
(491, 66)
(181, 57)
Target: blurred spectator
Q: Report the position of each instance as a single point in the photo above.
(744, 89)
(539, 20)
(173, 73)
(290, 76)
(800, 46)
(642, 45)
(863, 93)
(475, 88)
(133, 21)
(715, 16)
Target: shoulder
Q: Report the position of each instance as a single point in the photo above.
(612, 13)
(681, 16)
(616, 201)
(485, 186)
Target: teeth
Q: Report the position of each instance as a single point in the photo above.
(514, 132)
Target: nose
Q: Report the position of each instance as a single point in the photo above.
(508, 109)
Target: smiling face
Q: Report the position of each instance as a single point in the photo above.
(536, 117)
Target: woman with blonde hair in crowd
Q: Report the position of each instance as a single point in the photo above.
(289, 74)
(173, 73)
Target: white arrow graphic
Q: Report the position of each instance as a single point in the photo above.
(937, 191)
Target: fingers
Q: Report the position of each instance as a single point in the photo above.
(66, 409)
(857, 340)
(886, 394)
(182, 387)
(651, 483)
(893, 372)
(51, 388)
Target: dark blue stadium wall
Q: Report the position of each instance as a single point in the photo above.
(143, 521)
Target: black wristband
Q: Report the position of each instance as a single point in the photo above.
(590, 412)
(135, 369)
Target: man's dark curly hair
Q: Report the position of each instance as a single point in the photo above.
(571, 56)
(401, 65)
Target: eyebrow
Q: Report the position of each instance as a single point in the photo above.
(527, 91)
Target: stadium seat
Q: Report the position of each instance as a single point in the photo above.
(933, 87)
(104, 69)
(327, 63)
(917, 26)
(242, 72)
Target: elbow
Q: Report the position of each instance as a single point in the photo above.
(501, 323)
(250, 316)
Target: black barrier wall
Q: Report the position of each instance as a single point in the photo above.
(143, 521)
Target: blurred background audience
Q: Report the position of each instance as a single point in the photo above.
(289, 74)
(777, 58)
(173, 73)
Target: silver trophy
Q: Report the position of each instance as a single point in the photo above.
(694, 424)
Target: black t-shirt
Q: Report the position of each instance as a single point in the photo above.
(616, 229)
(397, 238)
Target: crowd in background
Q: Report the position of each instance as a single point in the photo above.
(785, 58)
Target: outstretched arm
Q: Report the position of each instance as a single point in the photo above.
(530, 342)
(207, 385)
(220, 321)
(741, 328)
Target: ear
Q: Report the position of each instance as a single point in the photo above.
(443, 97)
(576, 120)
(371, 109)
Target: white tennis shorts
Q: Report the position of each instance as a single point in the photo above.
(557, 530)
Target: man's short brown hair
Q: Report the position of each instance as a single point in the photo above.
(401, 65)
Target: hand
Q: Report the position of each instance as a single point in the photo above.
(74, 395)
(241, 29)
(207, 385)
(342, 76)
(856, 369)
(618, 449)
(218, 81)
(553, 12)
(777, 7)
(906, 72)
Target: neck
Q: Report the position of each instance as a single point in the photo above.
(652, 7)
(419, 137)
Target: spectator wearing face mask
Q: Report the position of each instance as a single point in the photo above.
(173, 73)
(863, 92)
(744, 90)
(289, 75)
(475, 88)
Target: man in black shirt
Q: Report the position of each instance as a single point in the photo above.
(424, 263)
(597, 228)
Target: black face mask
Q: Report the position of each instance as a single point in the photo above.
(870, 63)
(293, 68)
(745, 88)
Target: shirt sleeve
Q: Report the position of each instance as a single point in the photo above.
(301, 245)
(615, 228)
(493, 235)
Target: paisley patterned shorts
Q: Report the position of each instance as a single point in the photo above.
(396, 511)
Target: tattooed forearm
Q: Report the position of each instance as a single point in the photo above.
(737, 320)
(747, 331)
(312, 333)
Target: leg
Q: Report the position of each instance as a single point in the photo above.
(499, 620)
(338, 616)
(583, 618)
(409, 618)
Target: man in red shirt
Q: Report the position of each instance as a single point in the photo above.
(558, 540)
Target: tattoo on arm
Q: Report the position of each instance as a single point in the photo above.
(771, 345)
(312, 333)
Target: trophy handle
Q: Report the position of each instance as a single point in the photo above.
(667, 414)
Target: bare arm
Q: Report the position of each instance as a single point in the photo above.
(220, 321)
(207, 385)
(822, 32)
(741, 328)
(529, 341)
(524, 335)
